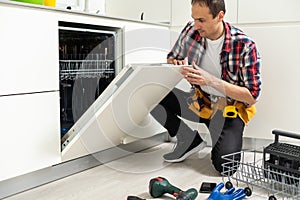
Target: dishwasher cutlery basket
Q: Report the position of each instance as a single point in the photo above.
(275, 168)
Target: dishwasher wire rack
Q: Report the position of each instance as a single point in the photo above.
(75, 69)
(250, 170)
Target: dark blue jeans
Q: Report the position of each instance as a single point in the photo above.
(226, 133)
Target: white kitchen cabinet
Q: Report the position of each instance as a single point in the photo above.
(243, 11)
(268, 11)
(91, 6)
(277, 107)
(30, 135)
(29, 99)
(150, 11)
(181, 12)
(147, 44)
(29, 53)
(231, 15)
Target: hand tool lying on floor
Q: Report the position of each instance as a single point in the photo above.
(134, 198)
(159, 186)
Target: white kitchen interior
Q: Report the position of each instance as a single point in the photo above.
(32, 150)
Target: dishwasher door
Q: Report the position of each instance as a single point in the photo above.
(121, 114)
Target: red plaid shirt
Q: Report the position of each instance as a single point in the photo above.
(239, 58)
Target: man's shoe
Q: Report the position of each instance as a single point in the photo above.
(186, 146)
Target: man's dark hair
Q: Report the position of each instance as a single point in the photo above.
(215, 6)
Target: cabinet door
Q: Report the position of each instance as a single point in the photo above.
(257, 11)
(231, 14)
(150, 11)
(180, 12)
(278, 105)
(146, 44)
(29, 133)
(29, 51)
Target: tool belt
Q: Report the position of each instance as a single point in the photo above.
(205, 107)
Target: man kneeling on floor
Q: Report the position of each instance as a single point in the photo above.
(225, 79)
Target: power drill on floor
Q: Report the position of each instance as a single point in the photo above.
(160, 186)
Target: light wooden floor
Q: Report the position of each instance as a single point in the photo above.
(131, 176)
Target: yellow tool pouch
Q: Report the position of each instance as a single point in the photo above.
(245, 113)
(202, 106)
(204, 112)
(230, 112)
(239, 109)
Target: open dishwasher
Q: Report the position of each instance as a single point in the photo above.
(104, 104)
(121, 114)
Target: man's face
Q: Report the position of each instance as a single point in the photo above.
(205, 24)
